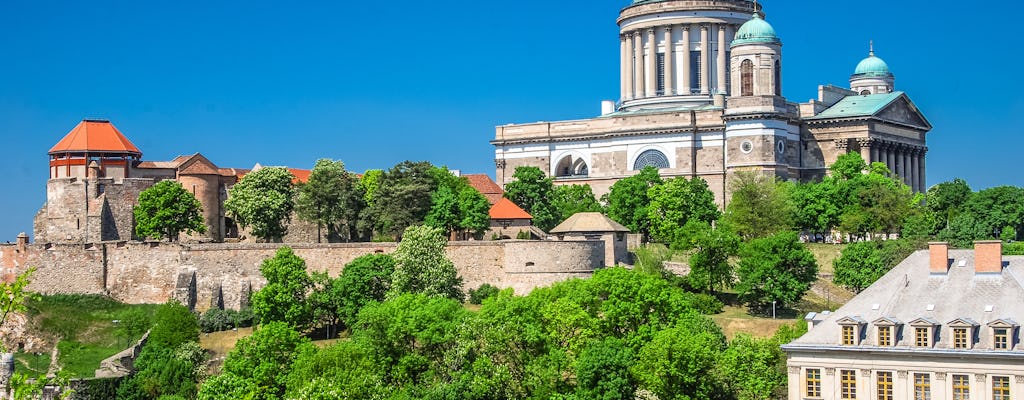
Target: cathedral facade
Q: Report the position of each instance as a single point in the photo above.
(701, 96)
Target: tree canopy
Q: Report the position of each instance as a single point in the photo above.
(533, 191)
(403, 198)
(676, 202)
(776, 268)
(283, 299)
(628, 200)
(165, 210)
(263, 200)
(332, 198)
(421, 265)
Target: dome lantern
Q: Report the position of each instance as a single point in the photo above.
(872, 75)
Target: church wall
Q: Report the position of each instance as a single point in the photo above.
(504, 174)
(613, 163)
(684, 159)
(710, 158)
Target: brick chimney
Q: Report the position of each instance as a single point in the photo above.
(988, 257)
(938, 254)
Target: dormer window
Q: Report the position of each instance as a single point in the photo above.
(885, 330)
(851, 330)
(924, 331)
(963, 332)
(1003, 333)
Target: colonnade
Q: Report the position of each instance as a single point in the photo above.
(639, 61)
(905, 160)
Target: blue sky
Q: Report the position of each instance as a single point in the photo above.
(375, 83)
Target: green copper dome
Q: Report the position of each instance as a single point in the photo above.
(872, 66)
(757, 30)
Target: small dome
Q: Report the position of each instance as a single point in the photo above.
(757, 30)
(872, 66)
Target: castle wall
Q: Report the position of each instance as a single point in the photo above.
(151, 272)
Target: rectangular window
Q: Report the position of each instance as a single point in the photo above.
(1002, 338)
(695, 72)
(961, 387)
(885, 386)
(885, 336)
(1000, 388)
(922, 387)
(813, 383)
(848, 338)
(921, 337)
(848, 384)
(659, 68)
(960, 338)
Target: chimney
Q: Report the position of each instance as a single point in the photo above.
(938, 254)
(607, 107)
(22, 242)
(988, 257)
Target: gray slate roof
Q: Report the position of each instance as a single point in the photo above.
(910, 292)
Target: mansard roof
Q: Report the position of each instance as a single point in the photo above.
(894, 107)
(96, 136)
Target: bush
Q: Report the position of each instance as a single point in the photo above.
(705, 303)
(649, 258)
(216, 320)
(243, 318)
(524, 235)
(1013, 249)
(483, 293)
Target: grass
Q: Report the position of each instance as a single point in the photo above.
(825, 254)
(31, 363)
(83, 328)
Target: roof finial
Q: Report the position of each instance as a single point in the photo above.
(871, 46)
(756, 14)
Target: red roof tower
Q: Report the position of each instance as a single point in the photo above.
(92, 141)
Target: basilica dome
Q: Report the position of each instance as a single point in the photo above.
(757, 30)
(872, 66)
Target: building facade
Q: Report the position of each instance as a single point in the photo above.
(941, 325)
(701, 96)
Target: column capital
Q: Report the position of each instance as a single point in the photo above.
(842, 144)
(500, 163)
(865, 142)
(650, 31)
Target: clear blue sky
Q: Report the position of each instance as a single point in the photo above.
(375, 83)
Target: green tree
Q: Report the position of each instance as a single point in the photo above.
(332, 199)
(754, 369)
(444, 211)
(997, 208)
(818, 206)
(676, 202)
(165, 210)
(421, 265)
(759, 206)
(570, 200)
(710, 268)
(264, 359)
(364, 280)
(947, 199)
(228, 386)
(602, 371)
(13, 297)
(326, 300)
(628, 201)
(533, 191)
(776, 268)
(403, 198)
(343, 370)
(168, 364)
(283, 299)
(859, 266)
(474, 211)
(679, 363)
(263, 200)
(173, 325)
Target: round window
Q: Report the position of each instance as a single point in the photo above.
(781, 146)
(747, 146)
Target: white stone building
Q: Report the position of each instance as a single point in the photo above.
(941, 325)
(701, 96)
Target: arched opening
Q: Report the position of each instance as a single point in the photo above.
(747, 78)
(651, 158)
(865, 92)
(570, 166)
(778, 78)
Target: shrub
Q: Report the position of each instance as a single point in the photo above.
(484, 292)
(524, 235)
(216, 320)
(705, 303)
(1013, 249)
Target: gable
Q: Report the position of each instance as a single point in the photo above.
(903, 111)
(198, 165)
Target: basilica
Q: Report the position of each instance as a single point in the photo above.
(701, 96)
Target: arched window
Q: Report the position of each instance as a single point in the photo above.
(651, 158)
(571, 166)
(778, 78)
(747, 78)
(865, 92)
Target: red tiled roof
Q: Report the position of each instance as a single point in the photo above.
(506, 209)
(486, 186)
(95, 136)
(301, 175)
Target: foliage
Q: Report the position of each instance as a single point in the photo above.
(570, 200)
(678, 363)
(484, 292)
(997, 208)
(602, 371)
(332, 199)
(403, 198)
(132, 323)
(947, 199)
(444, 210)
(1013, 249)
(166, 209)
(171, 361)
(284, 296)
(13, 296)
(759, 207)
(422, 267)
(710, 268)
(650, 258)
(23, 387)
(229, 386)
(216, 320)
(859, 266)
(474, 210)
(263, 200)
(264, 359)
(676, 202)
(776, 268)
(364, 280)
(534, 192)
(753, 368)
(174, 325)
(628, 200)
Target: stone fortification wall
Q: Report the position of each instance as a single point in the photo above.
(206, 275)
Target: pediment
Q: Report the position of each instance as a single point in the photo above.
(887, 321)
(1003, 323)
(962, 323)
(903, 111)
(851, 320)
(924, 322)
(198, 165)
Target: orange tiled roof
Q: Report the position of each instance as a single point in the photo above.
(95, 136)
(301, 175)
(486, 186)
(506, 209)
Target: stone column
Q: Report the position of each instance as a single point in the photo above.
(890, 157)
(705, 60)
(687, 86)
(624, 67)
(922, 171)
(913, 170)
(670, 87)
(638, 65)
(865, 149)
(721, 59)
(651, 86)
(906, 165)
(874, 151)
